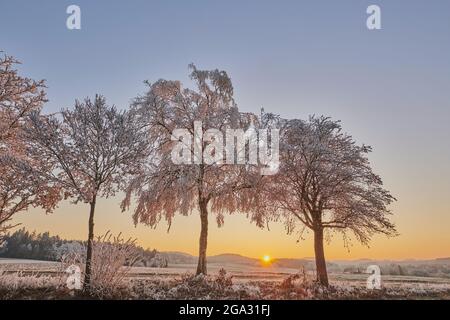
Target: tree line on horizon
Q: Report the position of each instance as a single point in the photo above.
(23, 244)
(324, 183)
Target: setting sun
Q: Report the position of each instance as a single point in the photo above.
(266, 259)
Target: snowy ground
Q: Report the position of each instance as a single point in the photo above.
(240, 282)
(5, 261)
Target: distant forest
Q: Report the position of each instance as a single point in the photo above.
(23, 244)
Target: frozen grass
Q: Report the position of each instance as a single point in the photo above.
(188, 286)
(46, 281)
(19, 285)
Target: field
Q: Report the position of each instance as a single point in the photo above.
(30, 279)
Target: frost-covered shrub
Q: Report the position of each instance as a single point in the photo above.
(112, 260)
(299, 286)
(192, 287)
(222, 280)
(196, 287)
(207, 287)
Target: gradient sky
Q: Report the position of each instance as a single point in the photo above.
(390, 88)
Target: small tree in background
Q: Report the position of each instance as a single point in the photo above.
(325, 183)
(93, 148)
(20, 188)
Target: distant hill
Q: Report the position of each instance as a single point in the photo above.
(175, 257)
(233, 258)
(439, 267)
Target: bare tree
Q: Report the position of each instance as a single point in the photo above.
(325, 183)
(93, 149)
(166, 188)
(19, 187)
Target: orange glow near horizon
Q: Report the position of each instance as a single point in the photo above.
(266, 259)
(418, 234)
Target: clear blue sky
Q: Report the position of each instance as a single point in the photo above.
(391, 87)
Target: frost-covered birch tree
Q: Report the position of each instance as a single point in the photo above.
(93, 148)
(166, 187)
(325, 183)
(19, 187)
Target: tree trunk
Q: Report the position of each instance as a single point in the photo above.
(321, 266)
(88, 270)
(201, 267)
